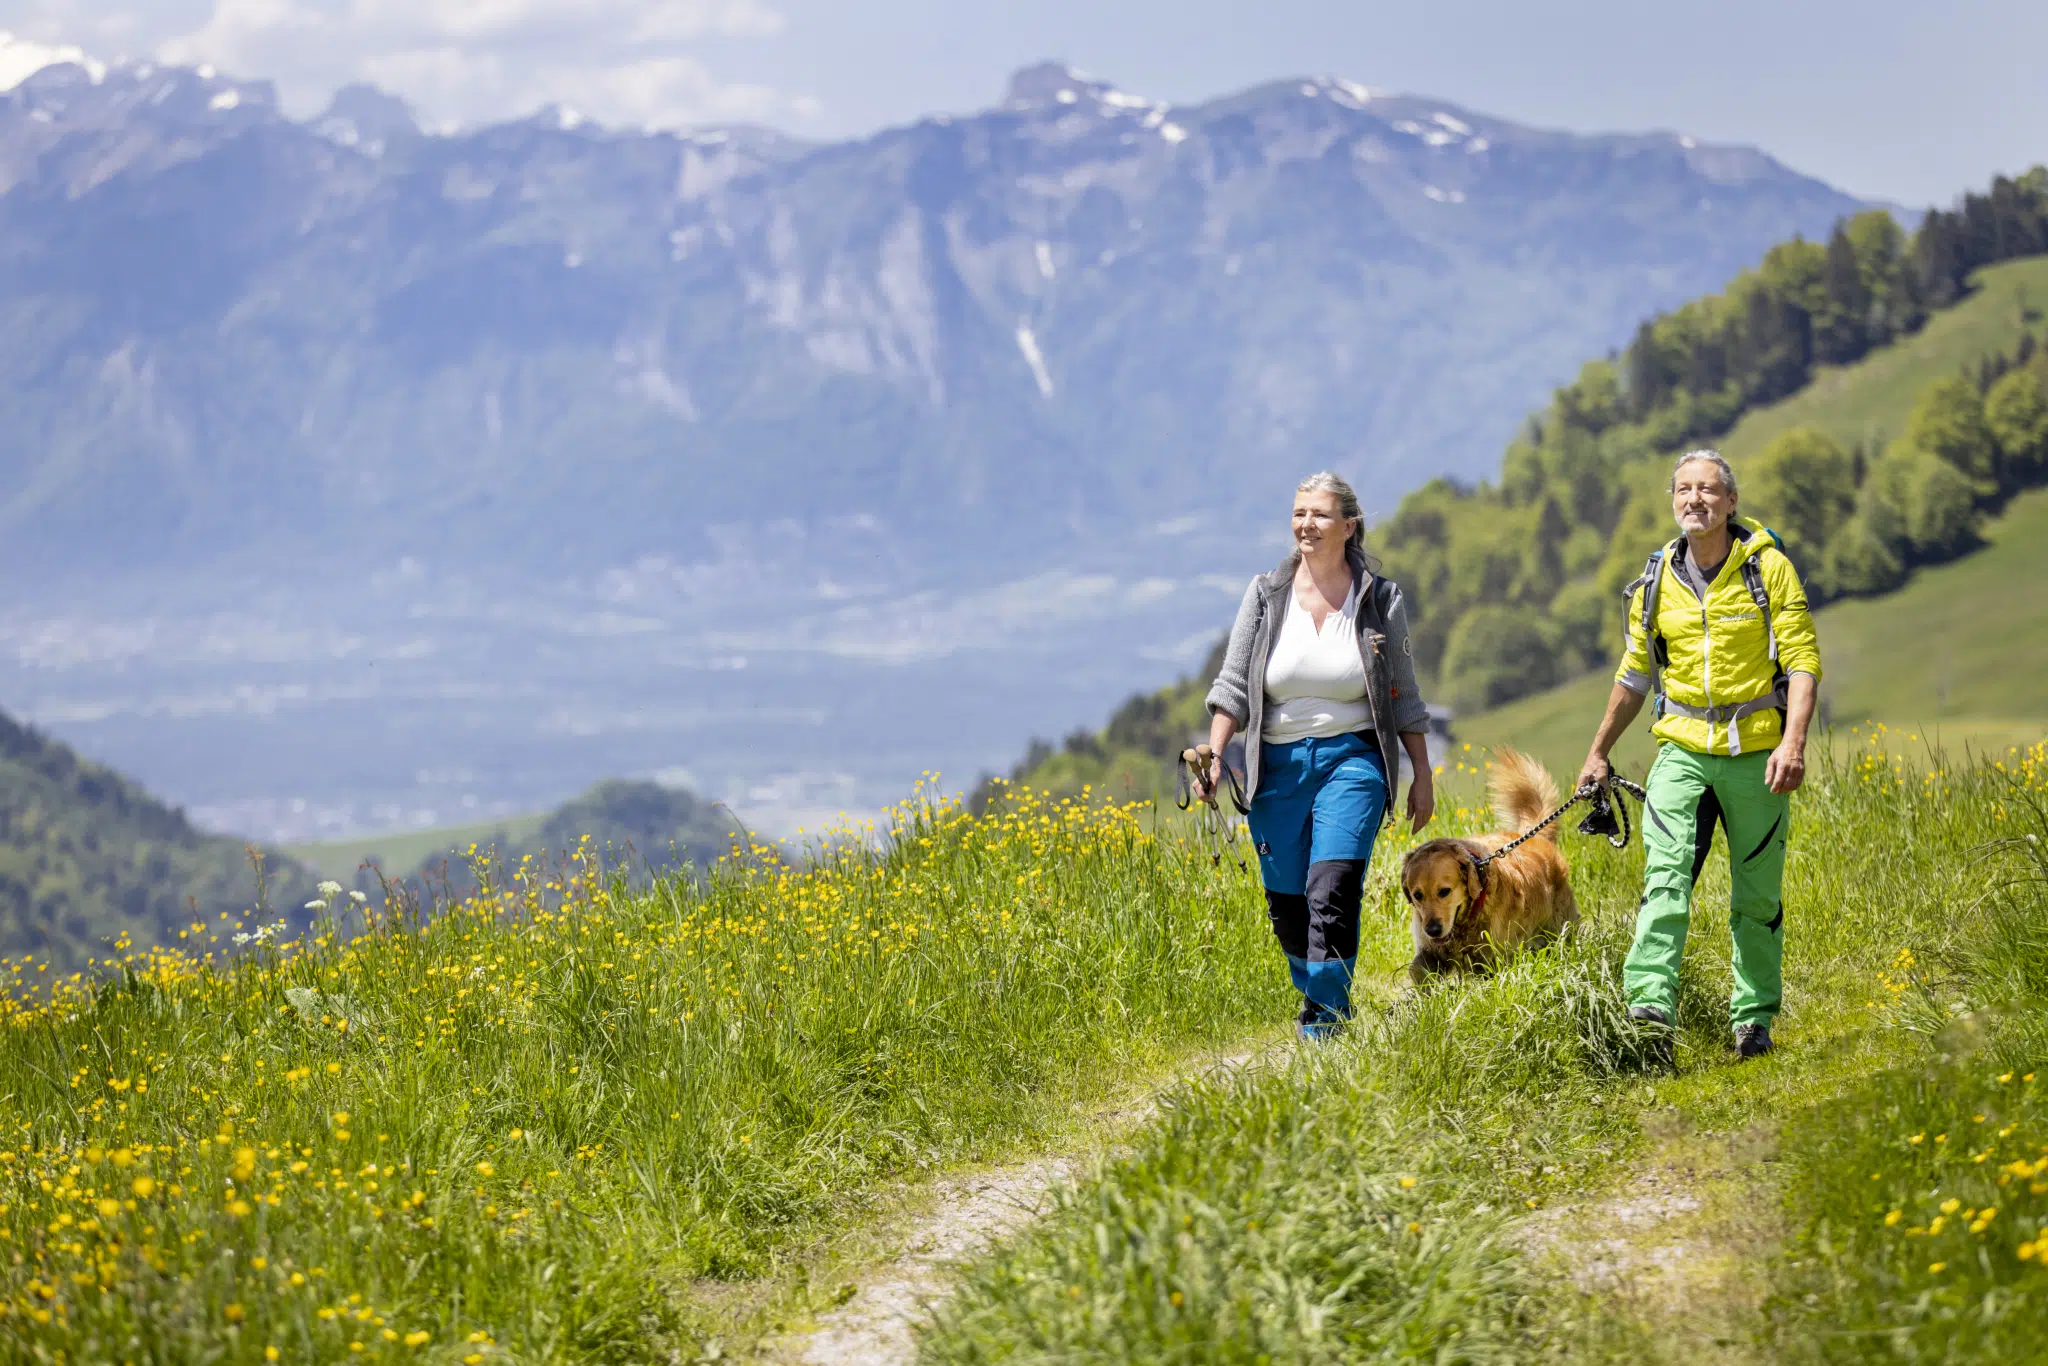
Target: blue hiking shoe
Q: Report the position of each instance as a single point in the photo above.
(1319, 1023)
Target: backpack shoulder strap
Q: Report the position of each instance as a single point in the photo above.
(1753, 580)
(1653, 644)
(1647, 581)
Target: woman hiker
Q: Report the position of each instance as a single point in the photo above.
(1320, 677)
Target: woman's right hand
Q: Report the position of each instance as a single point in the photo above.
(1596, 772)
(1210, 782)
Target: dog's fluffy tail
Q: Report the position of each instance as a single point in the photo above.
(1523, 792)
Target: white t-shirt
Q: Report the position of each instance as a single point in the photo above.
(1315, 680)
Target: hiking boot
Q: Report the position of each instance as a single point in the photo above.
(1752, 1040)
(1319, 1023)
(1659, 1051)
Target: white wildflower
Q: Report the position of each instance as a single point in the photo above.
(329, 889)
(359, 898)
(263, 935)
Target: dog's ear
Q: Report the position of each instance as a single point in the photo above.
(1468, 873)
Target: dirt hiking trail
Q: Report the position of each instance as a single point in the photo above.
(1671, 1257)
(967, 1215)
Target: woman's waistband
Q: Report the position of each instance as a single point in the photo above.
(1369, 739)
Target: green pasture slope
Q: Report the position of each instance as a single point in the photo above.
(1868, 402)
(404, 850)
(1961, 651)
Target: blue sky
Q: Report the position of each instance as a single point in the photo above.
(1898, 99)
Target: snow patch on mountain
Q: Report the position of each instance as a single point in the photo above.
(1027, 342)
(1348, 93)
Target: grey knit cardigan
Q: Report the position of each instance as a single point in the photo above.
(1390, 688)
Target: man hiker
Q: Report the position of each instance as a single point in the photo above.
(1720, 640)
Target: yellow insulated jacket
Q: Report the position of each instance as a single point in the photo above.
(1716, 655)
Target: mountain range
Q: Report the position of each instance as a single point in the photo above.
(360, 473)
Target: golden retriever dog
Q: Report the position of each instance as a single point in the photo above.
(1467, 915)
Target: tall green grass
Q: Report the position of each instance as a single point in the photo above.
(529, 1128)
(523, 1129)
(1921, 1198)
(1369, 1202)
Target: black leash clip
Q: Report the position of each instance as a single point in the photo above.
(1601, 820)
(1608, 816)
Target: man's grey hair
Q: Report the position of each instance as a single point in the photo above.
(1712, 457)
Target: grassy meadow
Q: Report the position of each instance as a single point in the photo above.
(570, 1121)
(1386, 1198)
(527, 1129)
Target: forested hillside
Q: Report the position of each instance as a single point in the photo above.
(1871, 466)
(1514, 583)
(87, 857)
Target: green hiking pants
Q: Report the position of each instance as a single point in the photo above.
(1688, 792)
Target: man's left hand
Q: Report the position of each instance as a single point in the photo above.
(1785, 770)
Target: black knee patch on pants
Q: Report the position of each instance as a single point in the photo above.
(1289, 914)
(1708, 812)
(1765, 842)
(1335, 889)
(1777, 921)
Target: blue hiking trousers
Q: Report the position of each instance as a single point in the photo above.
(1314, 819)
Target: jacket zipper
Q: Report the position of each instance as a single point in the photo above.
(1707, 656)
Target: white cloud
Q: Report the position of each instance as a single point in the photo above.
(627, 62)
(21, 59)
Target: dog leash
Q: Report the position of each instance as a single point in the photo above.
(1608, 817)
